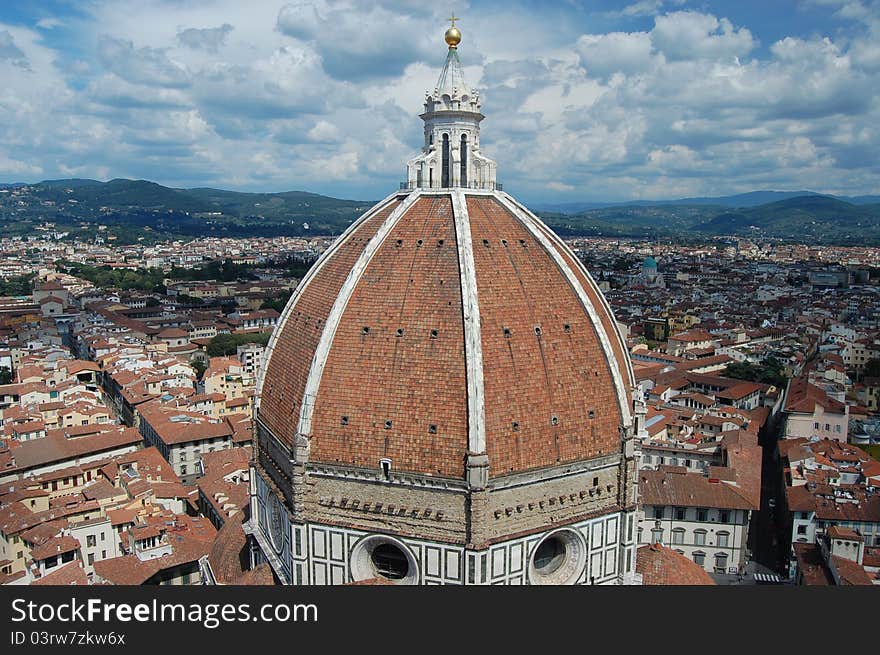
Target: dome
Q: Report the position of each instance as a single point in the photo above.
(649, 262)
(445, 323)
(447, 398)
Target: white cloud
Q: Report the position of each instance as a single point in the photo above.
(49, 23)
(13, 167)
(355, 42)
(209, 38)
(326, 96)
(145, 65)
(691, 35)
(604, 54)
(10, 52)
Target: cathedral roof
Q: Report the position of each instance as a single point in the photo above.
(446, 322)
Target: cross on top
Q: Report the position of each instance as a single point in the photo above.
(453, 18)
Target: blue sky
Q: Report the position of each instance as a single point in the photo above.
(584, 100)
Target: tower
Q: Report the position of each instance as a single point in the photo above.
(447, 398)
(451, 154)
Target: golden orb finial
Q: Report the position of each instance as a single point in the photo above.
(453, 35)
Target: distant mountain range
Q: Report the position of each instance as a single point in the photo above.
(132, 210)
(143, 210)
(751, 199)
(809, 218)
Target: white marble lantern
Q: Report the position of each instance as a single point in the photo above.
(451, 154)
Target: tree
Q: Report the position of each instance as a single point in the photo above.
(872, 368)
(17, 286)
(199, 366)
(278, 302)
(5, 375)
(770, 371)
(227, 344)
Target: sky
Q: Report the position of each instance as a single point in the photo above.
(584, 100)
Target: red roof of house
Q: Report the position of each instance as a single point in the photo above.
(660, 565)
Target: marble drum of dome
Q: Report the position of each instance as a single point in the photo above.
(447, 398)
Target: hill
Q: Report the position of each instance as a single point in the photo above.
(143, 210)
(809, 218)
(127, 211)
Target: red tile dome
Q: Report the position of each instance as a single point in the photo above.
(445, 323)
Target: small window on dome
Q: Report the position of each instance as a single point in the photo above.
(486, 242)
(365, 330)
(567, 328)
(515, 426)
(434, 334)
(419, 243)
(538, 330)
(432, 429)
(399, 242)
(507, 332)
(400, 332)
(554, 420)
(504, 242)
(388, 425)
(439, 242)
(344, 420)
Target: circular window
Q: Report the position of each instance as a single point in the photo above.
(276, 523)
(549, 556)
(558, 559)
(383, 557)
(389, 562)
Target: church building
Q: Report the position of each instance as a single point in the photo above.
(447, 398)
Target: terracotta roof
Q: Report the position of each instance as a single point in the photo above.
(803, 397)
(189, 543)
(379, 582)
(229, 557)
(836, 532)
(529, 314)
(69, 574)
(173, 425)
(675, 486)
(55, 546)
(849, 572)
(56, 447)
(660, 565)
(811, 565)
(692, 335)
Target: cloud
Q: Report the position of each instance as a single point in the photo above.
(691, 35)
(49, 23)
(11, 52)
(325, 97)
(641, 8)
(13, 167)
(616, 52)
(149, 66)
(209, 39)
(356, 43)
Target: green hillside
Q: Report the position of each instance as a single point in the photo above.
(139, 210)
(814, 218)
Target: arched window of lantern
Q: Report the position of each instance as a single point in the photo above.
(464, 158)
(445, 163)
